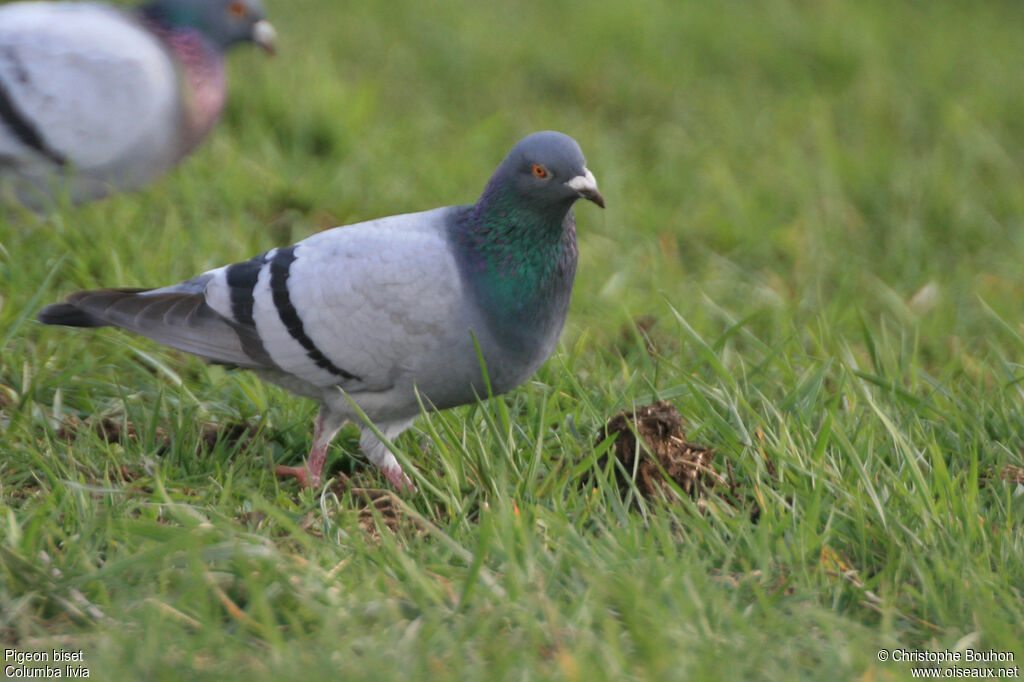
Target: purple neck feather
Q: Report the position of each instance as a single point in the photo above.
(201, 69)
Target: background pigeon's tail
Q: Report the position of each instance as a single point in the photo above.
(176, 316)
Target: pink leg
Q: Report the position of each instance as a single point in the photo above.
(381, 457)
(308, 475)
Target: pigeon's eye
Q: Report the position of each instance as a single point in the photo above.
(237, 9)
(539, 171)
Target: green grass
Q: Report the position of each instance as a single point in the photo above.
(821, 205)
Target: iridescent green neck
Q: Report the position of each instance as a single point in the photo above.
(518, 246)
(520, 260)
(172, 16)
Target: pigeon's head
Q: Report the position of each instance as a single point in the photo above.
(547, 170)
(222, 22)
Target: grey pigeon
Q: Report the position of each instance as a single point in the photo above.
(103, 99)
(385, 308)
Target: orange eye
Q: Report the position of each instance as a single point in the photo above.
(237, 9)
(539, 171)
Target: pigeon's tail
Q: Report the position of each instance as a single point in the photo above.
(69, 316)
(180, 319)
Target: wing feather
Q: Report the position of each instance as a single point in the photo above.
(370, 298)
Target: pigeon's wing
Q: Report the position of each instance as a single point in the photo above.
(80, 84)
(350, 306)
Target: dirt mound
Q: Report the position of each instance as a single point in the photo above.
(667, 459)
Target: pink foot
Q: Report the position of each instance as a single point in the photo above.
(397, 478)
(300, 473)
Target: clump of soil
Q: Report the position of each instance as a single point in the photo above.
(665, 456)
(116, 431)
(1013, 474)
(108, 429)
(378, 510)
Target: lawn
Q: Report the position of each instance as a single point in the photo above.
(813, 248)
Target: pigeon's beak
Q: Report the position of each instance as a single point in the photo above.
(264, 35)
(586, 186)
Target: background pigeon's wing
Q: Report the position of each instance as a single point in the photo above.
(352, 306)
(87, 80)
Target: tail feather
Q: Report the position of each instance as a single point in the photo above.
(69, 316)
(182, 320)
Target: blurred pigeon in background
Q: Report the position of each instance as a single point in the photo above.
(388, 308)
(95, 99)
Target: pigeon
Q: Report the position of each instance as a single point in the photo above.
(95, 99)
(388, 311)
